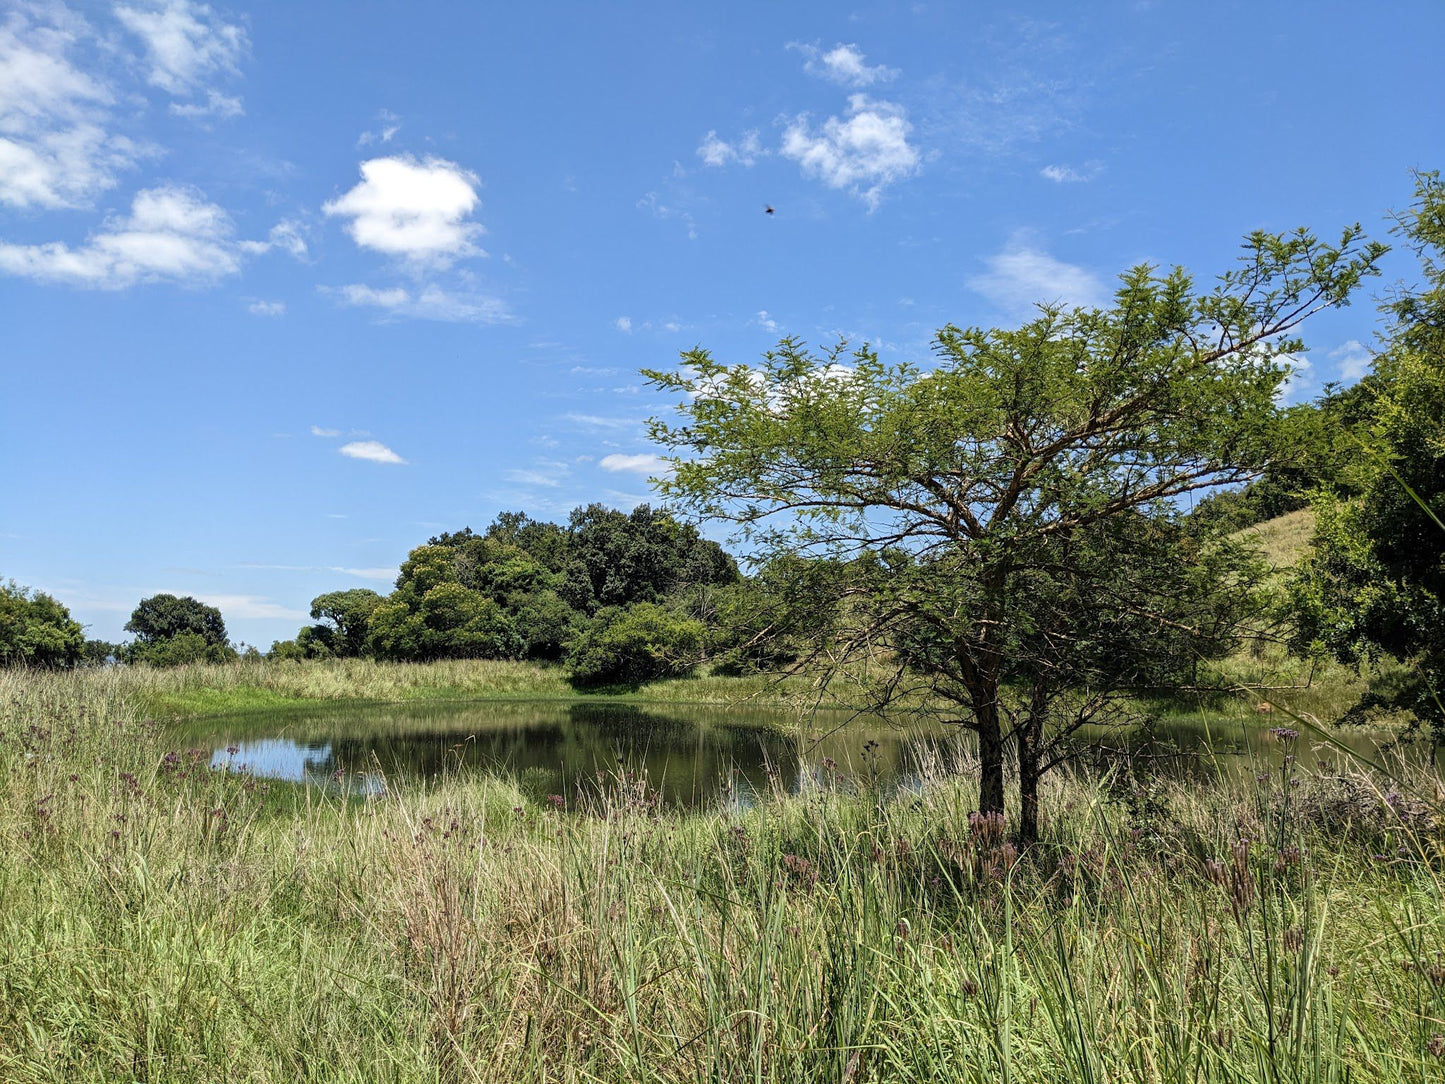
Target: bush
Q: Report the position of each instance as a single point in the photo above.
(35, 630)
(634, 644)
(178, 650)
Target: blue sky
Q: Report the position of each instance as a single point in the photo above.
(287, 288)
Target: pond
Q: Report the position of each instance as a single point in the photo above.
(689, 755)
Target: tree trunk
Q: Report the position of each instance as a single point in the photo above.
(1030, 770)
(1031, 763)
(990, 754)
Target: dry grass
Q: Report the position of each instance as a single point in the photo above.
(166, 923)
(1283, 540)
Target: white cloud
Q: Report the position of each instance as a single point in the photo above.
(171, 235)
(597, 421)
(389, 124)
(645, 463)
(269, 308)
(249, 606)
(416, 210)
(842, 64)
(216, 105)
(286, 235)
(368, 573)
(1021, 277)
(766, 322)
(718, 152)
(427, 302)
(863, 154)
(372, 450)
(55, 150)
(1352, 360)
(1070, 175)
(186, 44)
(319, 431)
(548, 472)
(623, 324)
(1299, 381)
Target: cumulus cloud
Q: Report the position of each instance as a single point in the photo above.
(1352, 360)
(765, 321)
(417, 210)
(186, 44)
(426, 302)
(623, 324)
(172, 234)
(371, 450)
(1022, 276)
(745, 151)
(55, 149)
(863, 154)
(645, 463)
(269, 308)
(842, 64)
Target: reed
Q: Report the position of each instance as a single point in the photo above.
(164, 922)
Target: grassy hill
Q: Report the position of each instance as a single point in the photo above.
(1284, 539)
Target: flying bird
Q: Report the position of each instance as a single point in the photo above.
(768, 209)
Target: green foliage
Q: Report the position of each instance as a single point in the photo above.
(1319, 446)
(615, 558)
(778, 616)
(101, 653)
(525, 589)
(286, 651)
(345, 618)
(1005, 470)
(627, 645)
(163, 616)
(447, 621)
(36, 630)
(1375, 582)
(180, 649)
(173, 631)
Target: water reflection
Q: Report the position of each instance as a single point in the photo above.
(690, 755)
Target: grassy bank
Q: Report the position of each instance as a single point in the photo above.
(166, 923)
(209, 689)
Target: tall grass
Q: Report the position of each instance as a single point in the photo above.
(164, 922)
(209, 689)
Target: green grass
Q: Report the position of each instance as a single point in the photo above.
(1282, 541)
(211, 689)
(164, 923)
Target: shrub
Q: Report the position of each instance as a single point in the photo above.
(633, 644)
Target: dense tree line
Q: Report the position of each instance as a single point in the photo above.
(616, 595)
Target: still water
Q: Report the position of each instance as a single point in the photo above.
(690, 755)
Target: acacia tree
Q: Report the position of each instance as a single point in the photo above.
(968, 484)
